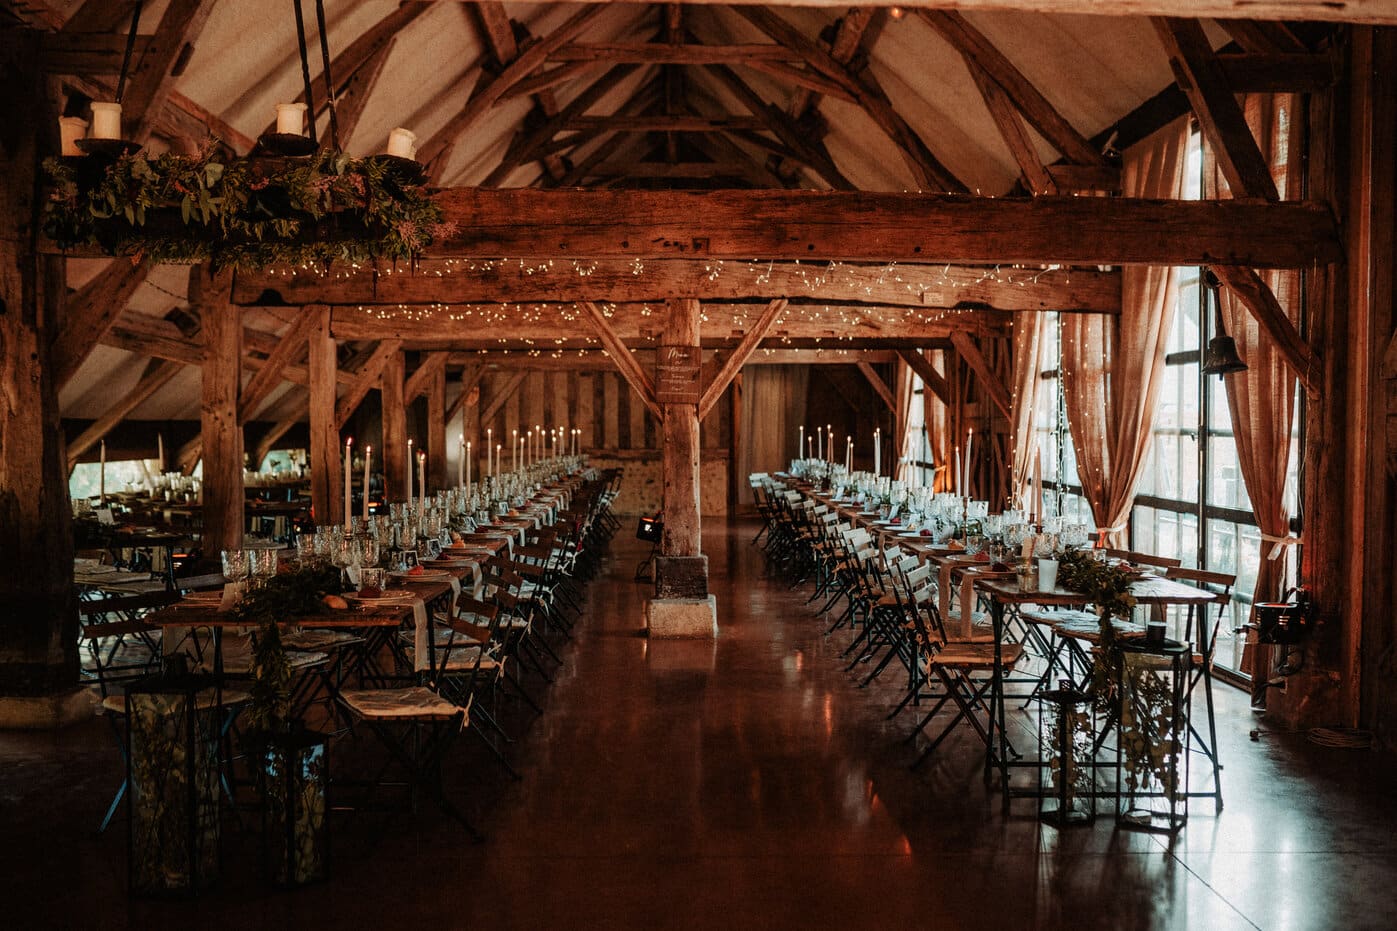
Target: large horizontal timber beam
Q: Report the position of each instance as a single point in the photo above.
(438, 281)
(1377, 12)
(884, 227)
(587, 360)
(544, 325)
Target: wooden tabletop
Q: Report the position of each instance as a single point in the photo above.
(1149, 590)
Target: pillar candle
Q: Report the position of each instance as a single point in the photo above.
(421, 487)
(409, 472)
(969, 442)
(368, 458)
(348, 480)
(106, 120)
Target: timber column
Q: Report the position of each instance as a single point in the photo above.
(221, 321)
(682, 606)
(38, 606)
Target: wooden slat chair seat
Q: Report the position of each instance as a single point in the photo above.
(1088, 628)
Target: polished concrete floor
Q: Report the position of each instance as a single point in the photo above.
(742, 783)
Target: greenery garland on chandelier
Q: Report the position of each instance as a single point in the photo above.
(242, 212)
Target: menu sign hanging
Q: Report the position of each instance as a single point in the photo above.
(678, 375)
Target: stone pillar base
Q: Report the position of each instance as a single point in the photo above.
(47, 712)
(682, 617)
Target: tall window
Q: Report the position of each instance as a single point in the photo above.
(918, 447)
(1191, 503)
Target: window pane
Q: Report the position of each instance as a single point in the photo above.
(1225, 485)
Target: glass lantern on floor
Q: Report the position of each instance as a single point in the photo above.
(295, 831)
(1067, 767)
(173, 728)
(1153, 736)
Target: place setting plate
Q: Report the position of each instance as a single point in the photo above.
(426, 575)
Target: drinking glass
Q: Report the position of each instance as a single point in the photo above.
(368, 551)
(305, 548)
(235, 565)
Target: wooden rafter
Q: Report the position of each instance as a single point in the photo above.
(977, 48)
(930, 174)
(1261, 302)
(848, 40)
(733, 364)
(666, 53)
(436, 149)
(356, 62)
(880, 387)
(420, 380)
(364, 380)
(91, 312)
(470, 381)
(934, 381)
(154, 79)
(290, 348)
(269, 439)
(500, 35)
(635, 376)
(156, 376)
(1011, 128)
(498, 399)
(990, 384)
(1220, 116)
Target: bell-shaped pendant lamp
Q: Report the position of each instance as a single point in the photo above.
(1221, 358)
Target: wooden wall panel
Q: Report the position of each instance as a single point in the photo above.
(586, 384)
(612, 386)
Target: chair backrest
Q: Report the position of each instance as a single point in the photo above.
(1144, 559)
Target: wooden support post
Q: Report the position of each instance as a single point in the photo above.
(390, 391)
(682, 606)
(630, 369)
(436, 428)
(736, 480)
(326, 477)
(39, 633)
(222, 436)
(682, 535)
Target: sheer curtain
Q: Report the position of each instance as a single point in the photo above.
(906, 445)
(1028, 368)
(937, 417)
(1262, 399)
(773, 410)
(1113, 367)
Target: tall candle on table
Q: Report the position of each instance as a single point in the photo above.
(878, 451)
(829, 434)
(421, 487)
(956, 475)
(819, 442)
(800, 446)
(490, 451)
(969, 441)
(514, 450)
(468, 463)
(849, 455)
(409, 471)
(1038, 484)
(368, 458)
(461, 465)
(348, 481)
(160, 452)
(102, 472)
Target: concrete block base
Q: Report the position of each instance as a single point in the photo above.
(682, 617)
(47, 712)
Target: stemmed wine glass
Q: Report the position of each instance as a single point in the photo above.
(235, 565)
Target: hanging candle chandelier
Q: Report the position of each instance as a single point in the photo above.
(292, 201)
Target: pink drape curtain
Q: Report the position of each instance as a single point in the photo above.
(939, 429)
(1113, 367)
(905, 444)
(1262, 399)
(1028, 368)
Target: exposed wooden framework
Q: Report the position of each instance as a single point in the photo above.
(157, 375)
(290, 348)
(366, 378)
(635, 376)
(879, 386)
(991, 384)
(935, 382)
(91, 312)
(739, 356)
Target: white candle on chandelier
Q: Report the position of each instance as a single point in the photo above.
(291, 118)
(106, 120)
(348, 481)
(368, 458)
(70, 130)
(402, 143)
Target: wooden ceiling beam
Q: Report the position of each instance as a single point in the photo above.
(1033, 173)
(364, 380)
(471, 374)
(157, 375)
(1265, 308)
(666, 123)
(291, 347)
(664, 53)
(90, 313)
(434, 151)
(848, 40)
(976, 47)
(502, 395)
(934, 381)
(990, 384)
(928, 171)
(153, 79)
(549, 79)
(635, 376)
(1214, 103)
(880, 387)
(596, 359)
(733, 364)
(420, 380)
(806, 79)
(882, 227)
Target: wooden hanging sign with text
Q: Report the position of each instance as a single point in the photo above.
(678, 375)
